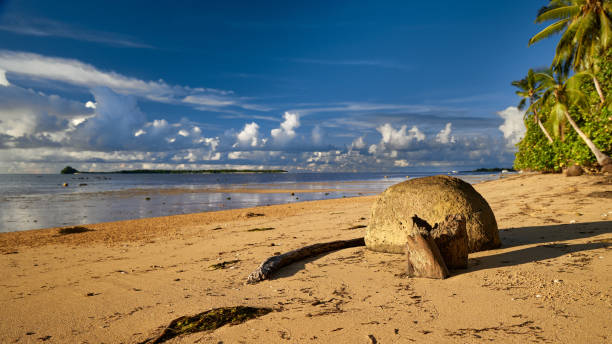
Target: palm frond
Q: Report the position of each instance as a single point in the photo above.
(606, 30)
(558, 13)
(549, 31)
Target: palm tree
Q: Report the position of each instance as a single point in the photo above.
(561, 94)
(588, 31)
(528, 90)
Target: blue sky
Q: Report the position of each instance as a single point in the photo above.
(304, 86)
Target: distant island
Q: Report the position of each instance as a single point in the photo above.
(71, 170)
(496, 169)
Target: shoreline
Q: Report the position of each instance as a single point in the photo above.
(90, 202)
(551, 280)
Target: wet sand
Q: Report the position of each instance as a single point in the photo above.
(122, 281)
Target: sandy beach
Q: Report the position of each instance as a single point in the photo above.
(121, 282)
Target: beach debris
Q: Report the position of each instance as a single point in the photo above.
(601, 194)
(217, 228)
(65, 185)
(224, 265)
(574, 171)
(251, 214)
(372, 339)
(83, 184)
(147, 198)
(356, 227)
(274, 263)
(432, 199)
(262, 229)
(74, 230)
(423, 255)
(208, 321)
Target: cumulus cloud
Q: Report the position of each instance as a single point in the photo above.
(391, 138)
(513, 127)
(31, 118)
(3, 80)
(286, 132)
(444, 136)
(117, 118)
(399, 138)
(358, 143)
(401, 163)
(249, 136)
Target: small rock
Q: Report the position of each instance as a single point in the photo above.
(607, 169)
(372, 339)
(573, 171)
(65, 185)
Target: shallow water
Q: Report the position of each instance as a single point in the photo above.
(40, 201)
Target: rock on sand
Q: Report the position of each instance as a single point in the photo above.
(431, 199)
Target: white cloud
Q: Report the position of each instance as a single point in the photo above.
(249, 136)
(90, 105)
(513, 127)
(183, 132)
(399, 139)
(75, 72)
(49, 28)
(401, 163)
(444, 136)
(208, 100)
(3, 80)
(286, 132)
(358, 143)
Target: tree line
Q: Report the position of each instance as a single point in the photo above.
(568, 109)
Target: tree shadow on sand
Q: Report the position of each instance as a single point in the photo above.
(550, 242)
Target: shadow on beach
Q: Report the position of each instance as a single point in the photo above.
(550, 239)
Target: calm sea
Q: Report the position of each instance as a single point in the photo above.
(38, 201)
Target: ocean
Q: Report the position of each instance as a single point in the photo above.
(30, 201)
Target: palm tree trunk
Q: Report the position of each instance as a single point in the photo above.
(602, 159)
(537, 118)
(598, 88)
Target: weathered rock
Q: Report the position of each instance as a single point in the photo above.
(451, 238)
(607, 169)
(574, 171)
(432, 199)
(424, 258)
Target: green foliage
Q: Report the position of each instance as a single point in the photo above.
(534, 151)
(69, 170)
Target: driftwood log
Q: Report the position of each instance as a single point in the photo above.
(423, 256)
(274, 263)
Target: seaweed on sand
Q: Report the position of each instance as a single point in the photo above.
(74, 230)
(260, 229)
(208, 321)
(224, 265)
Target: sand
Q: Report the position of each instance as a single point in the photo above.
(122, 282)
